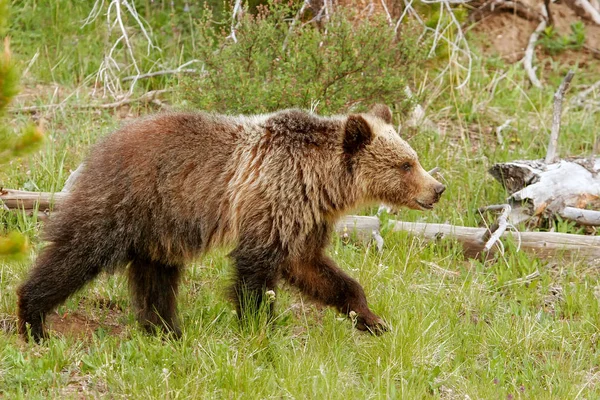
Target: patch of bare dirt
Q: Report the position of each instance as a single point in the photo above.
(507, 34)
(83, 326)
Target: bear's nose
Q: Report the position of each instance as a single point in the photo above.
(439, 189)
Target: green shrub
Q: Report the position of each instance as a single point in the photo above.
(554, 43)
(344, 64)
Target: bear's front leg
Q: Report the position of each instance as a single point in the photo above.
(320, 278)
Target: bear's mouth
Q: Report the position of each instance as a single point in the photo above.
(424, 206)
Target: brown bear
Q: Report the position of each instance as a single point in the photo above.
(167, 188)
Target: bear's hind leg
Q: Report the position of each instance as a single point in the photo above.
(59, 271)
(153, 287)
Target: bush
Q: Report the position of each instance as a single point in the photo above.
(345, 64)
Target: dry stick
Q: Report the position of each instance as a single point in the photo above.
(294, 22)
(590, 10)
(499, 231)
(387, 13)
(529, 52)
(581, 216)
(558, 98)
(579, 99)
(527, 279)
(179, 70)
(237, 8)
(516, 7)
(500, 129)
(146, 97)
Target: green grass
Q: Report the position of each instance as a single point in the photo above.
(459, 327)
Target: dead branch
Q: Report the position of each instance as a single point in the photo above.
(29, 201)
(235, 15)
(179, 70)
(145, 98)
(556, 116)
(516, 7)
(108, 73)
(294, 22)
(581, 216)
(500, 228)
(529, 52)
(584, 8)
(580, 97)
(499, 130)
(387, 13)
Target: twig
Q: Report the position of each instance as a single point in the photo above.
(237, 8)
(580, 98)
(439, 269)
(294, 22)
(387, 13)
(499, 231)
(556, 115)
(529, 52)
(522, 10)
(590, 11)
(527, 279)
(500, 129)
(146, 97)
(378, 240)
(109, 70)
(179, 70)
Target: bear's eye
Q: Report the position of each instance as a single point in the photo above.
(406, 166)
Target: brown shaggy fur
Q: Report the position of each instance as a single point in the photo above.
(165, 189)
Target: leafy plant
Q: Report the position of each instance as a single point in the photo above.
(554, 43)
(345, 64)
(12, 144)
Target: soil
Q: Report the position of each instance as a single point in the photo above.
(79, 324)
(507, 35)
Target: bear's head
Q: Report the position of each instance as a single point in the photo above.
(386, 168)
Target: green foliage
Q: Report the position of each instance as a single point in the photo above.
(12, 145)
(346, 63)
(13, 244)
(554, 43)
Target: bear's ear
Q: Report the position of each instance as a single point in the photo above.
(382, 111)
(358, 134)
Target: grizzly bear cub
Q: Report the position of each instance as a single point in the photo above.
(165, 189)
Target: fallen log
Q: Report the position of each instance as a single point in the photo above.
(30, 201)
(542, 244)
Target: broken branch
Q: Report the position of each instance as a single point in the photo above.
(529, 52)
(556, 116)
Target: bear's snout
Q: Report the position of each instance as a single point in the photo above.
(439, 189)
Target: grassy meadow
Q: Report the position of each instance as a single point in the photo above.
(460, 328)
